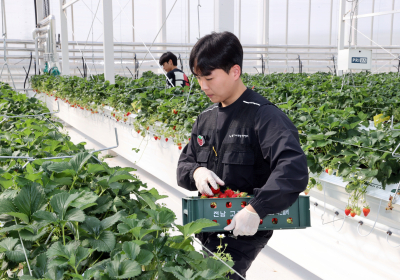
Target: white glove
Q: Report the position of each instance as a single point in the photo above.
(244, 222)
(202, 176)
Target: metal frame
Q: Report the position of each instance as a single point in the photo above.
(64, 36)
(108, 41)
(66, 5)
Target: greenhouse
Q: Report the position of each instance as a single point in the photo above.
(202, 139)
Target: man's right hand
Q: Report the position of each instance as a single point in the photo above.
(202, 176)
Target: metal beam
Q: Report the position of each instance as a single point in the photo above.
(340, 45)
(391, 24)
(108, 41)
(373, 14)
(162, 14)
(69, 4)
(224, 15)
(64, 40)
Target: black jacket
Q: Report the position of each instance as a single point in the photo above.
(260, 154)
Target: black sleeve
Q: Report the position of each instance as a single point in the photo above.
(280, 146)
(187, 163)
(171, 76)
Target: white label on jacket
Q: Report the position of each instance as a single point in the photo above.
(239, 135)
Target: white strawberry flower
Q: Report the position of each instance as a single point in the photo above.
(221, 236)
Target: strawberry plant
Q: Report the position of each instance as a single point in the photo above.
(331, 116)
(77, 219)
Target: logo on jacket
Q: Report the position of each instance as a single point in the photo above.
(201, 140)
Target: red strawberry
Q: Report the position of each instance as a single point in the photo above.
(175, 111)
(166, 139)
(179, 144)
(213, 205)
(229, 205)
(127, 114)
(261, 221)
(326, 170)
(366, 210)
(306, 192)
(155, 137)
(147, 128)
(234, 195)
(222, 195)
(174, 127)
(347, 210)
(243, 204)
(189, 138)
(352, 213)
(203, 196)
(214, 221)
(229, 221)
(215, 191)
(180, 147)
(274, 221)
(289, 220)
(229, 192)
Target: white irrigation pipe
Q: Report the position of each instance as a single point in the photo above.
(365, 221)
(376, 219)
(23, 248)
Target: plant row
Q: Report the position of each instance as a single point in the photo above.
(75, 218)
(332, 114)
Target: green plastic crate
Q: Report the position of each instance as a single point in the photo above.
(194, 208)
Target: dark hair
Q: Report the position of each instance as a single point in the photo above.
(216, 51)
(167, 56)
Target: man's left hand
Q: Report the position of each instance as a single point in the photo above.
(245, 222)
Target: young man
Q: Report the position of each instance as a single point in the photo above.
(245, 143)
(176, 76)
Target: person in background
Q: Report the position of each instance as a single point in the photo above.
(176, 76)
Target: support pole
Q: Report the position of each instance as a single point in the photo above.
(342, 11)
(64, 39)
(224, 15)
(162, 14)
(108, 41)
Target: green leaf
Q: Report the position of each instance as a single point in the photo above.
(108, 222)
(6, 206)
(22, 216)
(7, 244)
(30, 199)
(195, 227)
(85, 200)
(103, 204)
(79, 160)
(74, 215)
(94, 168)
(17, 254)
(44, 215)
(330, 133)
(144, 257)
(60, 203)
(181, 273)
(123, 270)
(120, 175)
(92, 225)
(131, 249)
(60, 167)
(104, 243)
